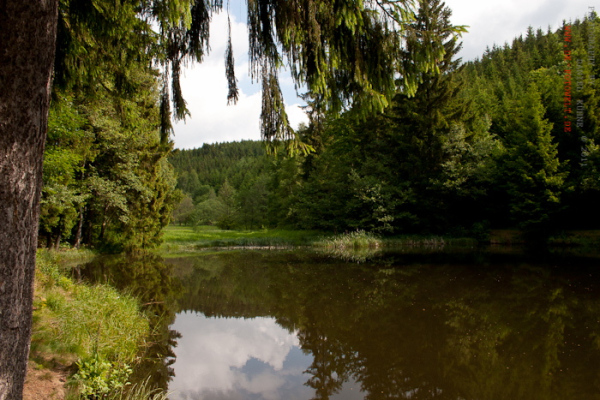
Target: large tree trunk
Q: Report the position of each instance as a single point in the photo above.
(27, 45)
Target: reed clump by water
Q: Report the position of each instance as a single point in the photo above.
(352, 240)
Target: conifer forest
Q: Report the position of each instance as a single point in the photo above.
(505, 141)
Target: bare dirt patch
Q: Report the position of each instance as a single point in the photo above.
(44, 384)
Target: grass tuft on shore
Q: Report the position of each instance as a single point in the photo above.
(351, 240)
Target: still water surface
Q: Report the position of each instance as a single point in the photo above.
(420, 325)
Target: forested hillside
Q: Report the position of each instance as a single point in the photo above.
(507, 140)
(224, 184)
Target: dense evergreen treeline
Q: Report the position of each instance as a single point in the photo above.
(214, 164)
(508, 140)
(541, 95)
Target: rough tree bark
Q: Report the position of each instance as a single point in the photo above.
(27, 46)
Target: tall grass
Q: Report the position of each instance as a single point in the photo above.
(357, 246)
(95, 328)
(140, 391)
(85, 320)
(97, 320)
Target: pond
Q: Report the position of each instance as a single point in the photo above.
(439, 324)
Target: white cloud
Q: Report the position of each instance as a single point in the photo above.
(296, 115)
(205, 90)
(499, 21)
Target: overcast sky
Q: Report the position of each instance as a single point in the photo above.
(205, 86)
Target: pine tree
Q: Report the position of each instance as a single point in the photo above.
(423, 123)
(531, 171)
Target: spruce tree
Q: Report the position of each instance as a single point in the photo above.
(531, 171)
(422, 124)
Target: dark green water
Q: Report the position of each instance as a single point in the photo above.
(454, 325)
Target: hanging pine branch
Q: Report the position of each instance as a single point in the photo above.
(232, 95)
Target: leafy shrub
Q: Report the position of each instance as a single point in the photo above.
(96, 377)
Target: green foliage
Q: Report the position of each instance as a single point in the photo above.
(241, 175)
(533, 172)
(183, 213)
(377, 205)
(68, 149)
(226, 218)
(208, 212)
(212, 164)
(107, 181)
(96, 378)
(407, 169)
(345, 54)
(49, 274)
(523, 89)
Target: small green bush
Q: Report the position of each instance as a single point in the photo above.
(96, 377)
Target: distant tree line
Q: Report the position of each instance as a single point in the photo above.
(507, 140)
(225, 184)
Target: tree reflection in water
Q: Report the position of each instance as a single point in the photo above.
(409, 326)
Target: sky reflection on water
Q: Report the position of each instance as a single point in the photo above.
(229, 358)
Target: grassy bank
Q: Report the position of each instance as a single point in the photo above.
(181, 238)
(94, 332)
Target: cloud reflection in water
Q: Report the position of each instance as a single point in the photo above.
(234, 358)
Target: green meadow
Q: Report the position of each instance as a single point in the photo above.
(192, 238)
